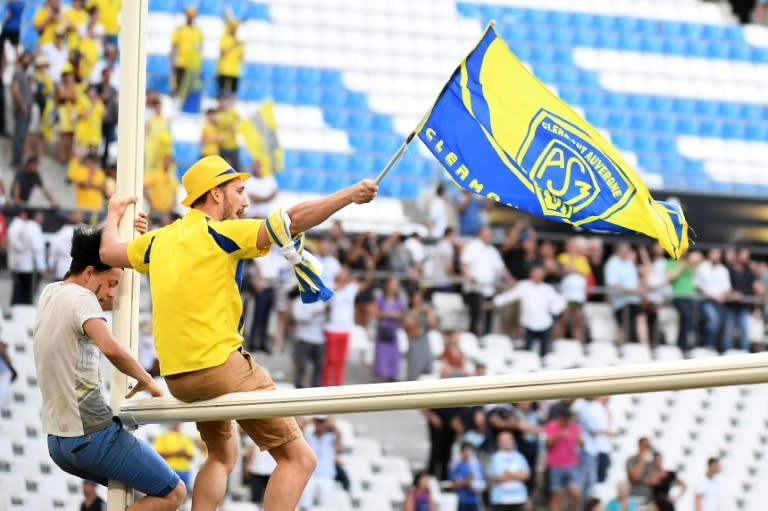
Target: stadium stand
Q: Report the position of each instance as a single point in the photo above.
(676, 85)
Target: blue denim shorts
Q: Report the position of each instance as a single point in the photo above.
(561, 477)
(114, 453)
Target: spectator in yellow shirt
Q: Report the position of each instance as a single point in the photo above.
(90, 44)
(110, 18)
(177, 449)
(230, 59)
(186, 48)
(161, 185)
(227, 121)
(90, 113)
(89, 181)
(47, 19)
(42, 91)
(66, 100)
(75, 18)
(210, 138)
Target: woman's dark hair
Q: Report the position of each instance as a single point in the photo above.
(418, 475)
(85, 250)
(592, 504)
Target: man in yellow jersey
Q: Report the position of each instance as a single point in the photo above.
(210, 138)
(161, 185)
(110, 18)
(230, 59)
(177, 449)
(89, 181)
(186, 47)
(227, 121)
(75, 18)
(199, 338)
(47, 19)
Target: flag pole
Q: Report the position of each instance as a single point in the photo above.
(395, 157)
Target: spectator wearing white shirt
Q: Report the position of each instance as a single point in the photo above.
(57, 54)
(22, 257)
(325, 441)
(654, 286)
(439, 267)
(623, 281)
(259, 466)
(481, 267)
(539, 305)
(108, 61)
(341, 321)
(595, 427)
(415, 248)
(310, 341)
(714, 282)
(437, 219)
(330, 265)
(707, 494)
(60, 245)
(266, 281)
(261, 191)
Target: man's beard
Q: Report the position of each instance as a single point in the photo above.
(230, 212)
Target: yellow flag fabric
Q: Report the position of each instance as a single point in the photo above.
(501, 133)
(259, 135)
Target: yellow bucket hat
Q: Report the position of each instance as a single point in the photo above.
(205, 174)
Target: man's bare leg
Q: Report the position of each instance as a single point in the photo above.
(211, 481)
(295, 464)
(170, 502)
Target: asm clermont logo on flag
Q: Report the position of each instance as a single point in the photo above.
(568, 173)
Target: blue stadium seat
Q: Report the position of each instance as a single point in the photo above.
(755, 132)
(362, 163)
(664, 124)
(336, 162)
(159, 83)
(580, 20)
(621, 140)
(638, 102)
(619, 121)
(541, 35)
(597, 117)
(705, 108)
(284, 75)
(642, 122)
(356, 100)
(711, 128)
(208, 69)
(643, 143)
(691, 30)
(733, 33)
(257, 71)
(335, 118)
(712, 32)
(585, 38)
(469, 10)
(687, 125)
(652, 43)
(626, 24)
(718, 51)
(545, 73)
(570, 95)
(255, 90)
(158, 64)
(211, 8)
(671, 28)
(630, 41)
(684, 105)
(734, 129)
(310, 160)
(729, 110)
(605, 23)
(285, 94)
(408, 189)
(291, 159)
(751, 112)
(616, 101)
(165, 6)
(257, 11)
(309, 96)
(381, 122)
(666, 145)
(334, 183)
(607, 40)
(307, 76)
(287, 180)
(334, 98)
(562, 37)
(312, 182)
(186, 151)
(330, 78)
(360, 121)
(662, 104)
(674, 46)
(592, 98)
(697, 48)
(542, 54)
(740, 52)
(745, 188)
(361, 141)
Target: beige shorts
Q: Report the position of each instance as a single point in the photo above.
(238, 374)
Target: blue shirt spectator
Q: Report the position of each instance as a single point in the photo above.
(470, 208)
(509, 471)
(468, 479)
(622, 277)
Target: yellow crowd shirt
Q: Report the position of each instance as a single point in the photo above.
(77, 18)
(227, 125)
(231, 56)
(162, 186)
(173, 441)
(89, 54)
(48, 32)
(577, 262)
(89, 117)
(188, 41)
(208, 142)
(85, 196)
(195, 268)
(109, 15)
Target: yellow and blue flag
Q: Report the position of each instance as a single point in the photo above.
(500, 133)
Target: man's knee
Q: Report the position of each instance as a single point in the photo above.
(177, 496)
(298, 454)
(224, 451)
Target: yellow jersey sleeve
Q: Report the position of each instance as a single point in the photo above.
(238, 237)
(140, 250)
